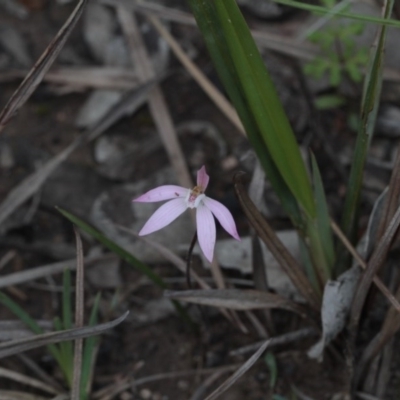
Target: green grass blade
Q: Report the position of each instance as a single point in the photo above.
(207, 20)
(272, 366)
(66, 300)
(323, 218)
(326, 11)
(67, 347)
(89, 351)
(265, 104)
(319, 233)
(115, 248)
(369, 108)
(20, 313)
(309, 266)
(66, 355)
(28, 321)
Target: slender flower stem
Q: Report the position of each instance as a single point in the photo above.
(189, 260)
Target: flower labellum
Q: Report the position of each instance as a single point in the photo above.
(181, 199)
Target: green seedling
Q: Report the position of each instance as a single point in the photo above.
(63, 352)
(329, 102)
(270, 360)
(339, 55)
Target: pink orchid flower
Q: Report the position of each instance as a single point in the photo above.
(183, 199)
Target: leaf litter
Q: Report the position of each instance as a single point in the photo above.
(131, 83)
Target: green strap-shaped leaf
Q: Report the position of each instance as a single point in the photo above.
(208, 22)
(265, 104)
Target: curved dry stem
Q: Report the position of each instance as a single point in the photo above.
(274, 244)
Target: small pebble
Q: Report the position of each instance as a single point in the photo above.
(229, 163)
(183, 385)
(6, 156)
(145, 394)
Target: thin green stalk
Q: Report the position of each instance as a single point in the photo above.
(317, 253)
(67, 324)
(326, 11)
(65, 350)
(309, 266)
(66, 300)
(369, 109)
(88, 358)
(29, 322)
(319, 230)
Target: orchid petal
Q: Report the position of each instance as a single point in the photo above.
(163, 216)
(202, 178)
(206, 232)
(223, 215)
(161, 193)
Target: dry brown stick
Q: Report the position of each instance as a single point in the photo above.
(7, 258)
(200, 392)
(209, 88)
(276, 247)
(26, 380)
(28, 275)
(385, 370)
(392, 199)
(34, 367)
(17, 346)
(157, 104)
(82, 78)
(30, 185)
(238, 373)
(377, 259)
(42, 65)
(379, 284)
(284, 339)
(390, 326)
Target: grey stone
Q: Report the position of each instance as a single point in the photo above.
(98, 29)
(105, 274)
(232, 254)
(388, 121)
(13, 42)
(96, 106)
